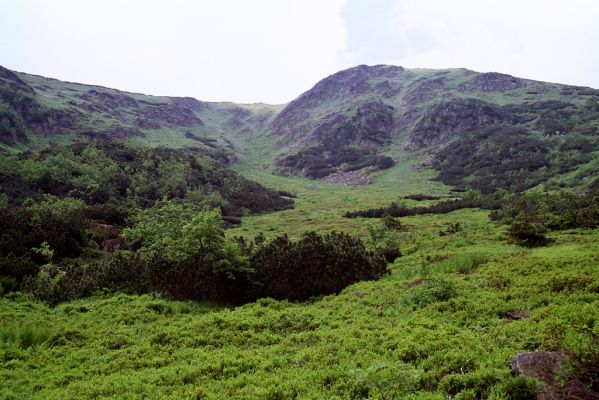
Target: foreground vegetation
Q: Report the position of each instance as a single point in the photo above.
(442, 323)
(461, 300)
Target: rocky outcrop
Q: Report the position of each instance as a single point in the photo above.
(444, 120)
(371, 125)
(51, 122)
(491, 82)
(348, 84)
(111, 101)
(544, 366)
(424, 90)
(116, 132)
(348, 178)
(170, 114)
(188, 102)
(387, 90)
(11, 81)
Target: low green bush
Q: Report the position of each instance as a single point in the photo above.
(467, 263)
(25, 335)
(528, 233)
(516, 388)
(434, 289)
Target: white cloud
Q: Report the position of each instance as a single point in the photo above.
(545, 40)
(265, 50)
(272, 50)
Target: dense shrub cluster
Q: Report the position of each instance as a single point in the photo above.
(500, 148)
(531, 216)
(76, 201)
(495, 157)
(59, 223)
(12, 127)
(282, 269)
(35, 235)
(444, 207)
(421, 196)
(180, 251)
(528, 233)
(98, 172)
(557, 211)
(319, 161)
(580, 380)
(314, 265)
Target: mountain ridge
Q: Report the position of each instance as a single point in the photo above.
(353, 120)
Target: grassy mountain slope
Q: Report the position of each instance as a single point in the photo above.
(466, 125)
(39, 111)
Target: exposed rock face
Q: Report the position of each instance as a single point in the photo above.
(55, 121)
(147, 123)
(109, 100)
(374, 123)
(117, 132)
(10, 80)
(541, 365)
(427, 89)
(349, 178)
(347, 141)
(188, 102)
(371, 124)
(443, 120)
(237, 117)
(172, 114)
(387, 90)
(349, 82)
(352, 83)
(491, 82)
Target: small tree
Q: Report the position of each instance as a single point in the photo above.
(180, 232)
(384, 241)
(391, 223)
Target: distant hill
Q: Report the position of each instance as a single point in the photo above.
(37, 111)
(478, 130)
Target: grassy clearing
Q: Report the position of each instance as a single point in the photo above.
(320, 206)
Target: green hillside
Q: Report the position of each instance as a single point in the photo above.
(463, 124)
(389, 234)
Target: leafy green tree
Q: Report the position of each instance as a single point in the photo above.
(180, 231)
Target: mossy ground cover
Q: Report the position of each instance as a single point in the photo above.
(440, 324)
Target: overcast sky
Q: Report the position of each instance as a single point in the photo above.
(272, 50)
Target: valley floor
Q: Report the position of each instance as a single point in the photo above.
(440, 324)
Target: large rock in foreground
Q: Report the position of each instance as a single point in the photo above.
(543, 366)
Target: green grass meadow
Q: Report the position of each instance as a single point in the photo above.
(437, 326)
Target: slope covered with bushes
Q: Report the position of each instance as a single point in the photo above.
(99, 172)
